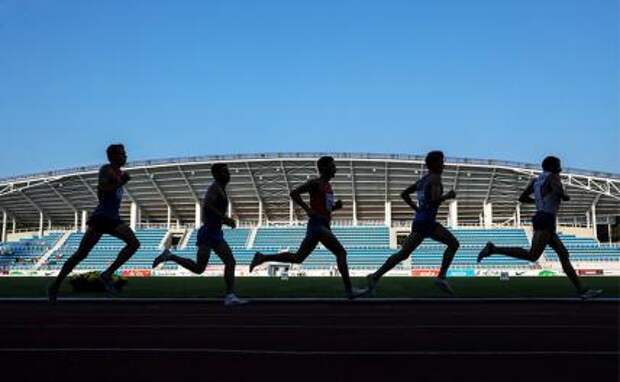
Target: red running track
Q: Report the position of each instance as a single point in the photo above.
(499, 341)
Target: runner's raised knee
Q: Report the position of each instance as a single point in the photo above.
(454, 245)
(133, 244)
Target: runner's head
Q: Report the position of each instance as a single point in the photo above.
(326, 167)
(220, 172)
(552, 164)
(117, 155)
(434, 161)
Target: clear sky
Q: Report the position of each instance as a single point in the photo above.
(512, 80)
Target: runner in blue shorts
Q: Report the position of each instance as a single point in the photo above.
(429, 191)
(548, 195)
(105, 219)
(210, 235)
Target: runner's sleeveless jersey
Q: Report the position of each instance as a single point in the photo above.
(549, 202)
(221, 205)
(109, 202)
(322, 200)
(426, 211)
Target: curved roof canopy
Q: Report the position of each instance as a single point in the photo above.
(365, 182)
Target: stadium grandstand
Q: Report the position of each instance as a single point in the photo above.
(44, 215)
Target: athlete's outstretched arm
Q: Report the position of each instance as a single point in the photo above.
(303, 189)
(406, 196)
(525, 196)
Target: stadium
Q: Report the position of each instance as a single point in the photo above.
(166, 323)
(44, 215)
(163, 93)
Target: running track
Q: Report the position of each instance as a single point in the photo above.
(498, 341)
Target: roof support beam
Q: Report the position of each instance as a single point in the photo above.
(12, 189)
(89, 188)
(161, 193)
(610, 189)
(32, 202)
(38, 208)
(189, 185)
(62, 197)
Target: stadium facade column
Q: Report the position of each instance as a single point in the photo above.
(197, 217)
(40, 223)
(14, 225)
(133, 215)
(388, 213)
(487, 214)
(260, 212)
(76, 220)
(453, 214)
(138, 217)
(291, 212)
(594, 221)
(518, 215)
(4, 223)
(84, 218)
(354, 211)
(49, 224)
(169, 217)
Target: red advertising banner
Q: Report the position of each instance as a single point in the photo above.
(136, 273)
(589, 272)
(424, 272)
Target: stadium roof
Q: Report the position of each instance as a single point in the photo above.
(368, 179)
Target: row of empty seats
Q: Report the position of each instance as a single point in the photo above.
(350, 237)
(585, 249)
(367, 247)
(430, 253)
(107, 249)
(23, 254)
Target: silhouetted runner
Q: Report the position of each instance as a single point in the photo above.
(210, 236)
(429, 191)
(548, 195)
(322, 204)
(105, 219)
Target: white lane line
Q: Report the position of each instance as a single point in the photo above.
(277, 326)
(316, 300)
(310, 352)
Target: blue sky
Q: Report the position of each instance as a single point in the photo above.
(512, 80)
